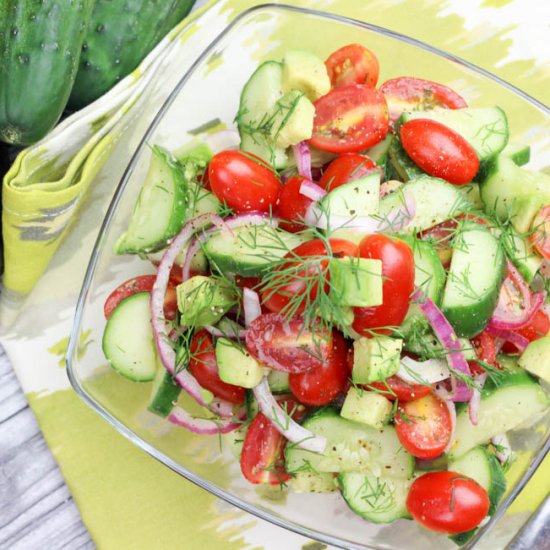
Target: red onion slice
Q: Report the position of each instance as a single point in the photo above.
(194, 247)
(251, 305)
(423, 372)
(214, 331)
(447, 337)
(509, 336)
(284, 423)
(202, 426)
(311, 190)
(473, 406)
(302, 154)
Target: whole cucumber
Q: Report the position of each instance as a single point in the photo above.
(120, 34)
(40, 44)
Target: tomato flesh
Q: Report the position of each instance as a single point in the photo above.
(415, 94)
(322, 385)
(540, 237)
(398, 272)
(143, 283)
(439, 151)
(353, 64)
(293, 205)
(535, 329)
(447, 502)
(486, 351)
(244, 181)
(349, 119)
(286, 345)
(204, 368)
(423, 426)
(346, 168)
(262, 456)
(394, 388)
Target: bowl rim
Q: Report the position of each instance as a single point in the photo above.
(112, 209)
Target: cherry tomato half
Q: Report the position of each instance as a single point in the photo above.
(398, 272)
(346, 168)
(203, 366)
(321, 385)
(541, 231)
(447, 502)
(535, 329)
(293, 205)
(349, 119)
(424, 426)
(486, 350)
(414, 94)
(307, 266)
(143, 283)
(439, 151)
(353, 64)
(394, 388)
(286, 345)
(244, 181)
(262, 457)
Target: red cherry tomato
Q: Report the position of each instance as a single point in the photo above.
(424, 426)
(394, 388)
(262, 457)
(352, 64)
(308, 260)
(447, 502)
(204, 368)
(345, 169)
(414, 94)
(486, 351)
(244, 181)
(439, 151)
(143, 283)
(286, 345)
(349, 119)
(541, 232)
(293, 205)
(535, 329)
(320, 386)
(398, 271)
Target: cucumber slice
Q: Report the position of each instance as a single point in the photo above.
(379, 153)
(278, 381)
(128, 339)
(516, 399)
(435, 201)
(486, 128)
(160, 208)
(352, 447)
(519, 153)
(254, 120)
(520, 251)
(313, 482)
(377, 499)
(250, 249)
(483, 467)
(473, 284)
(513, 193)
(164, 393)
(405, 168)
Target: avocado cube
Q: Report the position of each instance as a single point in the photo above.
(203, 300)
(375, 358)
(356, 281)
(367, 407)
(305, 72)
(292, 119)
(536, 358)
(236, 366)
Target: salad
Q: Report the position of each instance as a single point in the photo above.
(352, 285)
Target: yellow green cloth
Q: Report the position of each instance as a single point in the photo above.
(127, 499)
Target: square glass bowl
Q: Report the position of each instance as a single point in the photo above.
(210, 90)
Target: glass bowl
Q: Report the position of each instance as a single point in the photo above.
(210, 91)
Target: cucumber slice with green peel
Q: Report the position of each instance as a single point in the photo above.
(278, 381)
(518, 152)
(128, 339)
(249, 250)
(485, 128)
(164, 393)
(475, 276)
(483, 467)
(516, 399)
(377, 499)
(434, 200)
(513, 193)
(471, 194)
(379, 153)
(520, 251)
(255, 118)
(313, 482)
(405, 168)
(351, 447)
